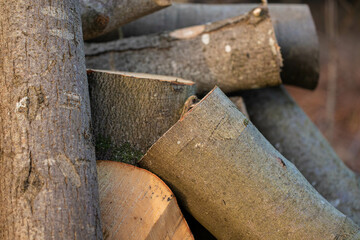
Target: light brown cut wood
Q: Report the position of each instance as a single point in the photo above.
(136, 204)
(234, 182)
(100, 17)
(135, 108)
(294, 29)
(288, 128)
(48, 180)
(237, 53)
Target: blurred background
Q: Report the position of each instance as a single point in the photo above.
(334, 106)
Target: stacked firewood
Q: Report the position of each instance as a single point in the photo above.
(187, 106)
(266, 175)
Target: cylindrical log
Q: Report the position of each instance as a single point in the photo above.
(287, 127)
(135, 108)
(240, 104)
(100, 17)
(232, 180)
(136, 204)
(237, 53)
(48, 180)
(294, 29)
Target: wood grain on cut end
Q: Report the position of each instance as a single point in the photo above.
(136, 204)
(163, 3)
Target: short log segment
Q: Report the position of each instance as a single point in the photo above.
(287, 127)
(293, 23)
(231, 179)
(238, 53)
(136, 204)
(136, 108)
(99, 17)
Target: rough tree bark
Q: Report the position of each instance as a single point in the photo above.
(100, 17)
(136, 204)
(286, 126)
(235, 183)
(293, 24)
(136, 108)
(237, 53)
(48, 184)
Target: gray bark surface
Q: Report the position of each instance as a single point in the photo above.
(232, 180)
(237, 53)
(48, 179)
(294, 29)
(136, 108)
(100, 17)
(288, 128)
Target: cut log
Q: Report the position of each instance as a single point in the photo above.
(287, 127)
(293, 23)
(239, 103)
(100, 17)
(135, 108)
(238, 53)
(136, 204)
(231, 179)
(48, 180)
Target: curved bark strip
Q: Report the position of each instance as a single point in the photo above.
(286, 126)
(47, 157)
(136, 108)
(235, 183)
(294, 29)
(237, 53)
(136, 204)
(100, 17)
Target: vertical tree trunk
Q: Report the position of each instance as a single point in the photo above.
(48, 184)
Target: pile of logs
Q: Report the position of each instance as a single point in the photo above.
(185, 104)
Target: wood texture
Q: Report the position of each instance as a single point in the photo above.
(287, 127)
(100, 17)
(294, 29)
(238, 53)
(136, 108)
(48, 181)
(240, 104)
(231, 179)
(135, 204)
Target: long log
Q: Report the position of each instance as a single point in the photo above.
(48, 180)
(100, 17)
(237, 53)
(287, 127)
(294, 29)
(136, 204)
(232, 180)
(135, 108)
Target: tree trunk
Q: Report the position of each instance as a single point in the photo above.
(235, 183)
(293, 24)
(286, 126)
(136, 204)
(99, 17)
(237, 53)
(48, 185)
(135, 108)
